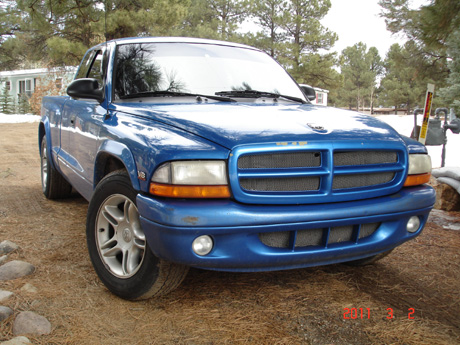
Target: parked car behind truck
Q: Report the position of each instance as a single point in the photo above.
(199, 153)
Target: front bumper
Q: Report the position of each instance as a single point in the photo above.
(171, 226)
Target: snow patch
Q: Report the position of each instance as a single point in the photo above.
(19, 118)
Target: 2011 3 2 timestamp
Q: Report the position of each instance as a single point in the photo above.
(365, 313)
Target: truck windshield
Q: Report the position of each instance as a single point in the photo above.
(204, 69)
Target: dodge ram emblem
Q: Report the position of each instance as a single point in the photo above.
(315, 126)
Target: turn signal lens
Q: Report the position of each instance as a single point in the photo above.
(186, 191)
(415, 180)
(191, 179)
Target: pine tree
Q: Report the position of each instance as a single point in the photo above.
(403, 83)
(430, 29)
(269, 17)
(451, 94)
(306, 37)
(293, 34)
(58, 32)
(23, 104)
(6, 102)
(11, 54)
(359, 68)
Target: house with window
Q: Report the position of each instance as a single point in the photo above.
(21, 84)
(320, 96)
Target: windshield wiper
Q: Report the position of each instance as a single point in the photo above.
(175, 94)
(257, 94)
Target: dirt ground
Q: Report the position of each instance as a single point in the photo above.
(420, 279)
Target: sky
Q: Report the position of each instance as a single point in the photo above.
(358, 21)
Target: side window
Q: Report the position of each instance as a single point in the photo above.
(85, 65)
(96, 70)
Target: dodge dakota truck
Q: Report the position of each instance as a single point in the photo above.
(207, 154)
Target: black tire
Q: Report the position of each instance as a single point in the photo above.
(54, 185)
(117, 247)
(369, 260)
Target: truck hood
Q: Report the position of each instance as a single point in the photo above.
(235, 124)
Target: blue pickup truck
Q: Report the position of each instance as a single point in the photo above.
(207, 154)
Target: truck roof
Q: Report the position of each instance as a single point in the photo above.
(129, 40)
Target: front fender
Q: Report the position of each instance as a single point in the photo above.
(110, 148)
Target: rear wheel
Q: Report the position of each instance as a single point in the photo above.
(369, 260)
(54, 186)
(117, 246)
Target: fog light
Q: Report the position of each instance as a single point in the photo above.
(413, 224)
(202, 245)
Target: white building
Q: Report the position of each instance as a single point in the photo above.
(24, 82)
(320, 96)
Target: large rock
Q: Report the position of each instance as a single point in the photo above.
(4, 295)
(5, 313)
(17, 341)
(447, 198)
(29, 288)
(7, 247)
(28, 322)
(15, 269)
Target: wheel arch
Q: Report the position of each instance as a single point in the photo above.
(113, 156)
(41, 133)
(44, 131)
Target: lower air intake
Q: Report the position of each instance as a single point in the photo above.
(318, 237)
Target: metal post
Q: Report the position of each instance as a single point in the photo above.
(444, 132)
(415, 134)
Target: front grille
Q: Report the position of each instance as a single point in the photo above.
(293, 184)
(318, 237)
(280, 160)
(361, 180)
(316, 175)
(364, 158)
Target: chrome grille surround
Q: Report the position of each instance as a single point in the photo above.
(319, 172)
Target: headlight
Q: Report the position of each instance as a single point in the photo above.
(419, 164)
(419, 170)
(191, 179)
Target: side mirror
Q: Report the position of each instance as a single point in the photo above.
(308, 91)
(86, 88)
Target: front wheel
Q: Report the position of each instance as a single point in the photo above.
(117, 246)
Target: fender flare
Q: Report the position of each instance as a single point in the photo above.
(110, 148)
(44, 130)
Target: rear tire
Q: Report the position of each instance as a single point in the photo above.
(117, 246)
(54, 185)
(370, 260)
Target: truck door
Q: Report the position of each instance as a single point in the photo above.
(81, 119)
